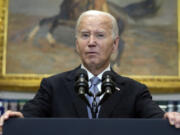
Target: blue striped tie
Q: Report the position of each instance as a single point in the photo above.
(93, 88)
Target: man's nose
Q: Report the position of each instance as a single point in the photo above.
(92, 40)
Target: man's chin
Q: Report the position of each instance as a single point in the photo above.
(91, 63)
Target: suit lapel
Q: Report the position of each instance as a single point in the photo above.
(109, 105)
(79, 105)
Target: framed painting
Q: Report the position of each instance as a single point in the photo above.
(37, 39)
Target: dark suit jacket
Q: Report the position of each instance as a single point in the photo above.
(57, 98)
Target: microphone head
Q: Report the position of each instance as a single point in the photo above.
(81, 86)
(108, 74)
(81, 73)
(108, 85)
(81, 82)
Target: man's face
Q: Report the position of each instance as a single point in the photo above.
(95, 43)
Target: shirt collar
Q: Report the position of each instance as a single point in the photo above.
(90, 75)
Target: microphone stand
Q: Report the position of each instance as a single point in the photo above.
(94, 108)
(95, 105)
(106, 94)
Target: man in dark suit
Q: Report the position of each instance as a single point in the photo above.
(57, 98)
(96, 39)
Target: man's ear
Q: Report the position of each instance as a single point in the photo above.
(115, 44)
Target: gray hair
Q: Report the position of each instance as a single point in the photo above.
(115, 29)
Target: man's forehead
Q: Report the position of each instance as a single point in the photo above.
(95, 30)
(97, 18)
(101, 21)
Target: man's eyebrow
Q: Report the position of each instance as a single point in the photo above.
(96, 31)
(83, 30)
(101, 30)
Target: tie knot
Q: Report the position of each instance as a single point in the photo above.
(95, 80)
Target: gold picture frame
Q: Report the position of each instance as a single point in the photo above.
(30, 82)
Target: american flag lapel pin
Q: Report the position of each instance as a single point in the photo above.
(118, 89)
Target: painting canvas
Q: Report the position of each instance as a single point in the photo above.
(41, 37)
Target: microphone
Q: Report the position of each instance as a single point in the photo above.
(81, 84)
(108, 86)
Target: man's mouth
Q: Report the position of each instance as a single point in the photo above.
(91, 53)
